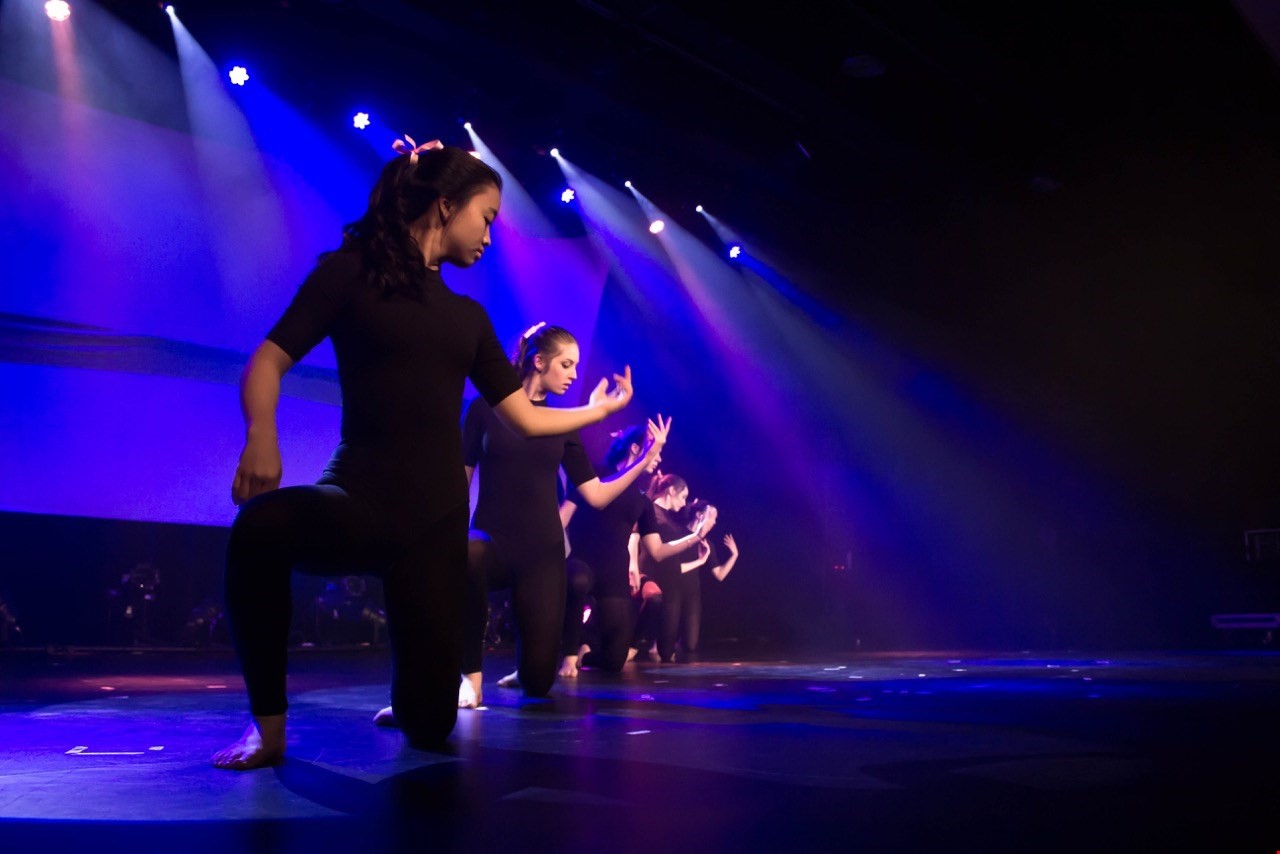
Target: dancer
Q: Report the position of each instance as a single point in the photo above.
(393, 499)
(687, 619)
(670, 494)
(516, 538)
(598, 562)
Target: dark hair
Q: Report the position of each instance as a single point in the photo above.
(660, 485)
(694, 509)
(621, 447)
(547, 340)
(403, 193)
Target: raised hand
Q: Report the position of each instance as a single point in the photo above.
(731, 544)
(613, 401)
(657, 436)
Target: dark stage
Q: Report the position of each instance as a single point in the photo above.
(923, 751)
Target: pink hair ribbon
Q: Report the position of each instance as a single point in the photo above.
(413, 149)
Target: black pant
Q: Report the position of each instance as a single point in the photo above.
(323, 530)
(612, 625)
(681, 614)
(536, 576)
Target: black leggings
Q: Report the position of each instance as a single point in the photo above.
(322, 530)
(537, 581)
(681, 614)
(612, 621)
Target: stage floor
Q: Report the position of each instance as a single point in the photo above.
(937, 751)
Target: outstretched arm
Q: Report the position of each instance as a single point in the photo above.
(704, 553)
(727, 567)
(519, 414)
(599, 493)
(259, 469)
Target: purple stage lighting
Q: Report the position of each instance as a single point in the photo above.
(361, 121)
(735, 251)
(555, 152)
(566, 196)
(656, 226)
(57, 10)
(239, 75)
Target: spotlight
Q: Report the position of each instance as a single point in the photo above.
(476, 155)
(169, 10)
(566, 196)
(239, 75)
(466, 125)
(698, 209)
(555, 152)
(361, 120)
(656, 226)
(57, 10)
(735, 251)
(627, 184)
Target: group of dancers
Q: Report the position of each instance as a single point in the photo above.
(394, 499)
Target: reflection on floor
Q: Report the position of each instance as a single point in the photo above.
(892, 752)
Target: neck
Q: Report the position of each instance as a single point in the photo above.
(533, 388)
(428, 240)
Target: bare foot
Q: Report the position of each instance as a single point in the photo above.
(569, 667)
(470, 692)
(511, 680)
(386, 717)
(261, 745)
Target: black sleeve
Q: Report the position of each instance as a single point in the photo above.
(473, 430)
(575, 462)
(648, 521)
(317, 304)
(492, 375)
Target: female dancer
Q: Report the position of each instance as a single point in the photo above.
(688, 624)
(393, 500)
(598, 562)
(670, 494)
(516, 537)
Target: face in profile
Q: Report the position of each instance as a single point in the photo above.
(678, 498)
(559, 372)
(466, 231)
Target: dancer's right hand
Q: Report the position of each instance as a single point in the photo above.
(613, 401)
(259, 470)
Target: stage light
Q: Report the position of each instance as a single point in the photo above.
(57, 10)
(239, 75)
(566, 196)
(476, 155)
(656, 226)
(169, 10)
(555, 152)
(627, 184)
(361, 120)
(466, 125)
(698, 209)
(735, 251)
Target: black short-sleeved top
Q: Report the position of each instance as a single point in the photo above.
(519, 477)
(671, 527)
(599, 537)
(403, 362)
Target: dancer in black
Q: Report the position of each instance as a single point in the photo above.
(687, 622)
(670, 494)
(516, 537)
(598, 564)
(393, 499)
